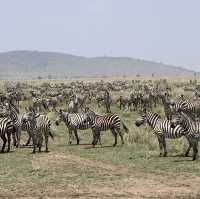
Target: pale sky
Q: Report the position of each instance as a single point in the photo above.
(167, 31)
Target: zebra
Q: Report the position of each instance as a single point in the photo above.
(107, 101)
(184, 105)
(73, 122)
(38, 126)
(162, 129)
(191, 126)
(167, 105)
(123, 101)
(105, 122)
(73, 104)
(14, 115)
(7, 128)
(99, 99)
(39, 104)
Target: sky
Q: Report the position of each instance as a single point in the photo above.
(157, 30)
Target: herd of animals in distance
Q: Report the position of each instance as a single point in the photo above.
(25, 107)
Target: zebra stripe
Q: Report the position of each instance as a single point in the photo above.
(190, 126)
(105, 122)
(6, 129)
(74, 122)
(162, 128)
(184, 105)
(37, 126)
(14, 115)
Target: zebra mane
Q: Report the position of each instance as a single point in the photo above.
(14, 107)
(188, 114)
(154, 114)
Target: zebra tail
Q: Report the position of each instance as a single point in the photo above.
(125, 127)
(51, 135)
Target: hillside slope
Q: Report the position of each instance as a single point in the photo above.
(34, 63)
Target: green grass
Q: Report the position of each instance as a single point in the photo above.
(133, 170)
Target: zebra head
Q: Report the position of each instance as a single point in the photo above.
(147, 117)
(4, 111)
(141, 119)
(62, 117)
(177, 119)
(90, 115)
(29, 116)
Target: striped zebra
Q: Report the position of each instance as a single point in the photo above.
(14, 115)
(39, 104)
(105, 122)
(107, 101)
(38, 127)
(7, 128)
(162, 129)
(191, 127)
(74, 122)
(73, 104)
(185, 105)
(167, 104)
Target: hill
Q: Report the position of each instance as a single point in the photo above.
(35, 63)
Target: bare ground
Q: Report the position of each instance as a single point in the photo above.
(113, 182)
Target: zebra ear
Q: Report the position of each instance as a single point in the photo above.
(36, 115)
(87, 109)
(144, 110)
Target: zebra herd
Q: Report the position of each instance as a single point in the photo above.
(11, 124)
(181, 115)
(182, 120)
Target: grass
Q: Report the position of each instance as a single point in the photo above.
(133, 170)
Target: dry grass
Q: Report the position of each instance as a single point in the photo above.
(130, 171)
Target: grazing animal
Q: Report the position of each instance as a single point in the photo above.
(14, 115)
(74, 122)
(186, 106)
(107, 101)
(38, 126)
(73, 104)
(7, 128)
(162, 129)
(105, 122)
(192, 129)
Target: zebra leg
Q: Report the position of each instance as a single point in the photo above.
(3, 137)
(76, 135)
(28, 141)
(29, 138)
(96, 136)
(40, 141)
(195, 149)
(121, 136)
(189, 147)
(100, 140)
(18, 136)
(115, 135)
(14, 136)
(160, 145)
(93, 141)
(46, 143)
(9, 140)
(34, 139)
(70, 136)
(164, 146)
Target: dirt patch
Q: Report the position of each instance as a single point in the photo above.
(135, 185)
(45, 161)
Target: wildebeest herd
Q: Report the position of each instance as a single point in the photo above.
(72, 103)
